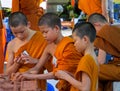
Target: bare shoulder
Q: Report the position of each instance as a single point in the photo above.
(11, 44)
(50, 48)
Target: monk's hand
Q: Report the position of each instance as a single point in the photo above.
(18, 60)
(27, 59)
(16, 76)
(40, 11)
(61, 74)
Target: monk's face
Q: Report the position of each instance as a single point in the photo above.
(21, 32)
(79, 43)
(98, 26)
(48, 33)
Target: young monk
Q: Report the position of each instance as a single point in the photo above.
(107, 41)
(62, 48)
(86, 75)
(27, 42)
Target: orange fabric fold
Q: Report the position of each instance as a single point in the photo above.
(4, 34)
(108, 43)
(15, 5)
(35, 48)
(1, 53)
(30, 8)
(88, 65)
(67, 59)
(90, 6)
(1, 44)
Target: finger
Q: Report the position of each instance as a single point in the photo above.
(23, 78)
(18, 60)
(15, 59)
(17, 76)
(26, 62)
(25, 58)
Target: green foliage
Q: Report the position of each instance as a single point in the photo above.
(6, 12)
(68, 12)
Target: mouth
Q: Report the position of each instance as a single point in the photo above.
(48, 41)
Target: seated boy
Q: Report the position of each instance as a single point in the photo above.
(25, 40)
(86, 75)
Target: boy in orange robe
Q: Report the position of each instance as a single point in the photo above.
(86, 75)
(62, 48)
(107, 41)
(25, 40)
(31, 9)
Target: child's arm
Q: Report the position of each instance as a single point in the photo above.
(104, 8)
(39, 76)
(29, 59)
(83, 85)
(12, 65)
(101, 56)
(44, 58)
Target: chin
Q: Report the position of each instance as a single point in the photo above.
(49, 42)
(22, 39)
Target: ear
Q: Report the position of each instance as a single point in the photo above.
(57, 29)
(29, 24)
(96, 24)
(85, 39)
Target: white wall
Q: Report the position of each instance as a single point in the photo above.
(6, 3)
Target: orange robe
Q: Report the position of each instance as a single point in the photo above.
(67, 59)
(35, 48)
(108, 40)
(90, 6)
(88, 65)
(1, 44)
(30, 8)
(2, 41)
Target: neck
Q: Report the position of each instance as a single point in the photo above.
(89, 50)
(30, 34)
(60, 36)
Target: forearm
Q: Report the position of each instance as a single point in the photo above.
(104, 9)
(12, 69)
(77, 84)
(73, 82)
(39, 76)
(101, 56)
(46, 76)
(39, 65)
(36, 61)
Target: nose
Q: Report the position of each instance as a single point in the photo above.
(44, 35)
(74, 43)
(19, 36)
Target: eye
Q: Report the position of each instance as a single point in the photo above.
(22, 32)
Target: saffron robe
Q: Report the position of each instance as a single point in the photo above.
(1, 42)
(88, 65)
(31, 9)
(108, 40)
(67, 59)
(90, 6)
(35, 48)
